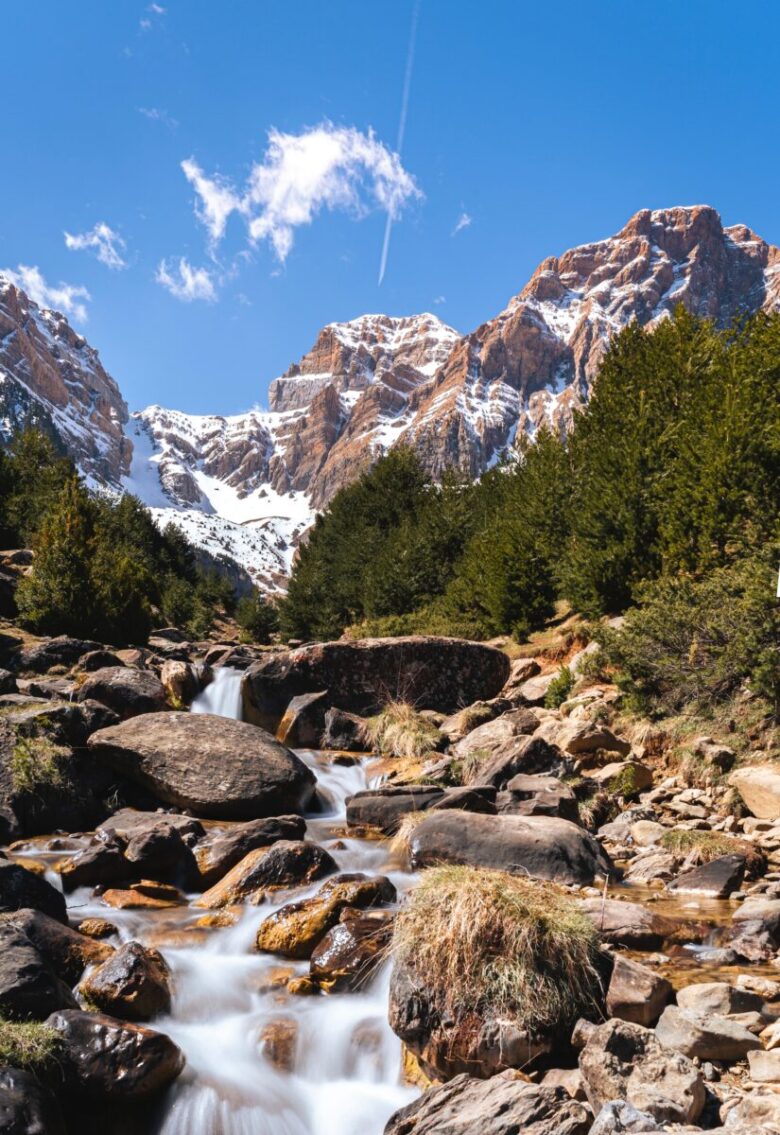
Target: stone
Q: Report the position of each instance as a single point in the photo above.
(21, 888)
(436, 673)
(98, 660)
(534, 691)
(756, 929)
(502, 1105)
(619, 1117)
(521, 670)
(384, 807)
(707, 1037)
(619, 775)
(303, 722)
(60, 651)
(527, 795)
(348, 955)
(528, 755)
(108, 1059)
(29, 989)
(476, 798)
(214, 766)
(487, 739)
(636, 993)
(582, 737)
(646, 833)
(279, 1041)
(65, 951)
(218, 854)
(180, 682)
(718, 997)
(624, 1061)
(133, 984)
(628, 923)
(716, 879)
(99, 864)
(344, 732)
(759, 787)
(295, 929)
(755, 1113)
(719, 757)
(459, 725)
(143, 896)
(128, 824)
(125, 690)
(540, 846)
(764, 1066)
(27, 1107)
(96, 928)
(570, 1079)
(287, 863)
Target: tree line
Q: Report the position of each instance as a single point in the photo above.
(671, 471)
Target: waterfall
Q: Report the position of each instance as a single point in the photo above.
(222, 695)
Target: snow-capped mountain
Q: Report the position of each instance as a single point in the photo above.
(250, 485)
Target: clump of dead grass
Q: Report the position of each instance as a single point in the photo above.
(400, 731)
(399, 845)
(707, 846)
(500, 944)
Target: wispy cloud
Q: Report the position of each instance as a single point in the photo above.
(463, 222)
(325, 167)
(185, 282)
(158, 114)
(70, 299)
(157, 9)
(107, 245)
(440, 299)
(146, 23)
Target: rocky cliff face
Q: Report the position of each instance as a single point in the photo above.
(49, 374)
(250, 485)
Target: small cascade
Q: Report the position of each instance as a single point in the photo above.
(222, 695)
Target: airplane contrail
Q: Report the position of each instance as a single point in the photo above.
(401, 131)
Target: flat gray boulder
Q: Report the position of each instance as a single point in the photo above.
(211, 765)
(543, 847)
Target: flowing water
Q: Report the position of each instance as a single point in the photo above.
(345, 1077)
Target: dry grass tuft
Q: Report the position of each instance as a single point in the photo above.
(28, 1044)
(711, 845)
(500, 944)
(399, 845)
(37, 764)
(400, 731)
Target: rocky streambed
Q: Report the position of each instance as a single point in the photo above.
(216, 955)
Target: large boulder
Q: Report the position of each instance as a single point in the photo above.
(384, 807)
(65, 951)
(61, 651)
(133, 984)
(106, 1059)
(28, 987)
(486, 739)
(629, 923)
(625, 1061)
(20, 888)
(361, 676)
(287, 863)
(756, 928)
(348, 955)
(216, 855)
(27, 1107)
(636, 993)
(125, 690)
(706, 1036)
(502, 1105)
(540, 846)
(759, 787)
(213, 766)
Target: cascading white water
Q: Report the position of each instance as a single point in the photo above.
(345, 1075)
(222, 695)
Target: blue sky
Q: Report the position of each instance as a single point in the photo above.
(546, 125)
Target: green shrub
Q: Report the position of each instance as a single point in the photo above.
(559, 689)
(489, 942)
(36, 764)
(257, 617)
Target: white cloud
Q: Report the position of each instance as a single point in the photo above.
(463, 222)
(158, 114)
(107, 245)
(440, 299)
(326, 167)
(185, 282)
(68, 298)
(157, 9)
(145, 25)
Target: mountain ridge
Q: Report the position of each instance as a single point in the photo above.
(249, 485)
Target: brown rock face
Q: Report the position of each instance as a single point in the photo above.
(48, 368)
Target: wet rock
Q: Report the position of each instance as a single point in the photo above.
(386, 806)
(624, 1061)
(718, 997)
(27, 1107)
(343, 731)
(303, 722)
(214, 766)
(278, 1043)
(539, 796)
(216, 856)
(716, 879)
(437, 673)
(21, 888)
(133, 984)
(144, 895)
(287, 863)
(96, 928)
(160, 853)
(125, 690)
(108, 1059)
(129, 824)
(759, 787)
(502, 1105)
(98, 864)
(29, 989)
(179, 682)
(294, 930)
(65, 951)
(636, 993)
(709, 1037)
(349, 953)
(756, 929)
(629, 923)
(542, 847)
